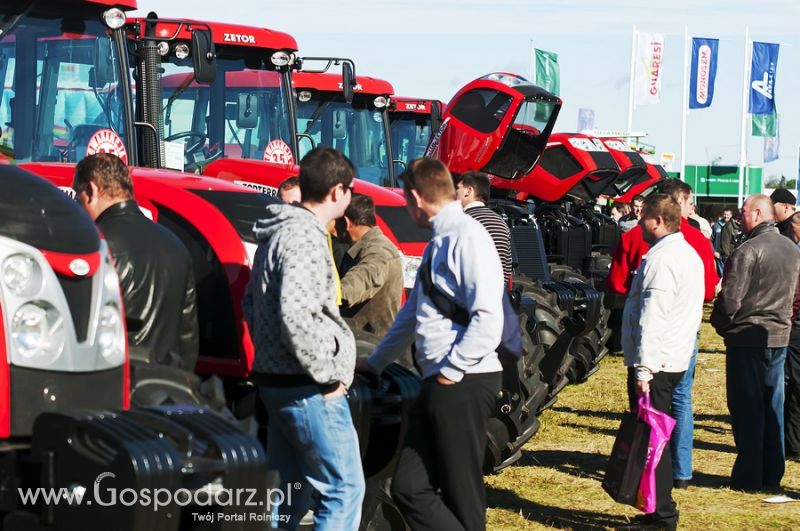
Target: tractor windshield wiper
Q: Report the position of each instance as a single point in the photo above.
(14, 22)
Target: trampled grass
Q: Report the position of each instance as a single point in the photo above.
(556, 484)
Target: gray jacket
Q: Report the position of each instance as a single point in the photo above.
(290, 301)
(754, 308)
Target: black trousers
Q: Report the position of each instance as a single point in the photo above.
(444, 449)
(791, 405)
(661, 387)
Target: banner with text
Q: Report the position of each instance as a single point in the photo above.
(585, 120)
(762, 77)
(647, 70)
(703, 73)
(772, 144)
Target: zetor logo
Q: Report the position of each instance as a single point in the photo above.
(239, 37)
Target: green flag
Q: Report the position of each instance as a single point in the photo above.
(547, 75)
(765, 124)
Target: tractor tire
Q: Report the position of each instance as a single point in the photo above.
(589, 348)
(549, 332)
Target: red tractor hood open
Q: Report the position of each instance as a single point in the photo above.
(498, 124)
(574, 165)
(633, 168)
(655, 173)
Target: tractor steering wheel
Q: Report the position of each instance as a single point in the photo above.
(201, 140)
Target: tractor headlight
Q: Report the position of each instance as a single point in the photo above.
(114, 18)
(380, 102)
(37, 331)
(110, 334)
(280, 58)
(303, 96)
(181, 51)
(410, 266)
(21, 274)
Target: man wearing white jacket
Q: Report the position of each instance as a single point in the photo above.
(660, 323)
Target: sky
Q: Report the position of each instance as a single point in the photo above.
(431, 48)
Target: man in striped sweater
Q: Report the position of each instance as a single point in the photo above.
(472, 189)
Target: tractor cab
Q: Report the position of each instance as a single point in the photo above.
(411, 123)
(359, 129)
(238, 104)
(498, 124)
(64, 90)
(574, 166)
(655, 174)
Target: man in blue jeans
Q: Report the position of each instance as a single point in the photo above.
(753, 314)
(304, 352)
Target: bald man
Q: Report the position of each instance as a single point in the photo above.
(753, 314)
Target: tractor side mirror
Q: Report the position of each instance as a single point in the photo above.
(348, 82)
(246, 115)
(205, 56)
(102, 73)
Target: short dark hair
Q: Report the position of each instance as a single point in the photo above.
(320, 170)
(477, 181)
(361, 210)
(107, 172)
(664, 206)
(727, 209)
(637, 197)
(288, 184)
(674, 188)
(429, 177)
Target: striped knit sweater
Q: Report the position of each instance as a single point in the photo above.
(497, 228)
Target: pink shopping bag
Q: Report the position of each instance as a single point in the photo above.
(661, 426)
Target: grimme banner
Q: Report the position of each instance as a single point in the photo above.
(703, 73)
(762, 77)
(647, 69)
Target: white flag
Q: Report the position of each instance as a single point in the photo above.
(647, 77)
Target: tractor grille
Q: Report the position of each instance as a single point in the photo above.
(528, 252)
(35, 391)
(575, 245)
(78, 292)
(606, 236)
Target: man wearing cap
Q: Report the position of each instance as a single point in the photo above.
(785, 210)
(785, 214)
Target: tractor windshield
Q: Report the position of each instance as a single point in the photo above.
(357, 130)
(410, 133)
(244, 114)
(61, 93)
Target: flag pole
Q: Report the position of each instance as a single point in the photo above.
(743, 138)
(685, 112)
(632, 74)
(530, 61)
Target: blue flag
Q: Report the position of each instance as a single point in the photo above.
(762, 77)
(704, 70)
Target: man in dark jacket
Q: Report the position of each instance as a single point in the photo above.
(372, 272)
(785, 210)
(786, 215)
(154, 267)
(753, 314)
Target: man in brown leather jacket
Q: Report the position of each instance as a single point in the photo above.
(371, 270)
(753, 314)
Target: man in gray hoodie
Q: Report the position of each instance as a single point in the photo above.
(304, 352)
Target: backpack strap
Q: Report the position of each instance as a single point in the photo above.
(449, 308)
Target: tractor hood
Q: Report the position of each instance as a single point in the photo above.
(655, 174)
(574, 165)
(40, 215)
(498, 124)
(633, 168)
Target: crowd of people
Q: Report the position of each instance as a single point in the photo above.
(323, 268)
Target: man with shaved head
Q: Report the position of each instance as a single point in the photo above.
(753, 314)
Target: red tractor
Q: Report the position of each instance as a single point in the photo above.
(411, 123)
(82, 104)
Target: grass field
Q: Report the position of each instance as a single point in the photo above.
(556, 484)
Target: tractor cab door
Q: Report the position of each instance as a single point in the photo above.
(498, 124)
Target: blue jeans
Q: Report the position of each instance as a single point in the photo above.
(312, 444)
(681, 442)
(754, 379)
